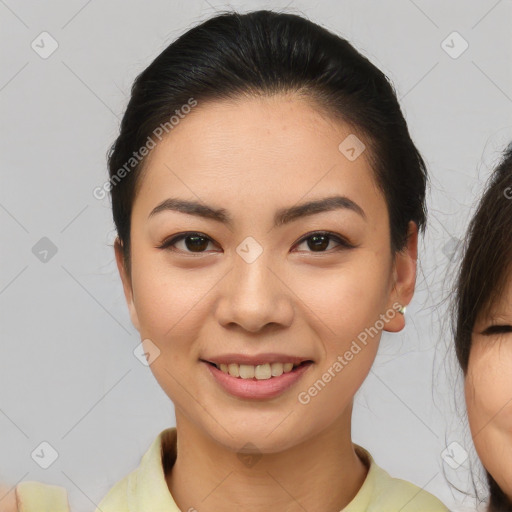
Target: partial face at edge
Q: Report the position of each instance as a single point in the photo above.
(302, 297)
(488, 390)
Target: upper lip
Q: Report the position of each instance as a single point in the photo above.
(256, 359)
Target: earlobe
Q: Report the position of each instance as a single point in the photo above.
(126, 280)
(404, 273)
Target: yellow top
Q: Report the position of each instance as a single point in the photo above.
(145, 488)
(38, 497)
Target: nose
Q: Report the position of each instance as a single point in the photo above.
(254, 296)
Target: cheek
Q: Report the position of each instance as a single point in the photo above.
(342, 308)
(488, 386)
(169, 301)
(172, 307)
(347, 298)
(488, 391)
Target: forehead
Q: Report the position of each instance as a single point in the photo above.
(262, 151)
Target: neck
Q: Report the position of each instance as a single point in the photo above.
(322, 474)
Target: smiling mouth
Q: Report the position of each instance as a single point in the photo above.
(258, 372)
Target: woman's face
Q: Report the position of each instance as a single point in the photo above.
(250, 288)
(488, 390)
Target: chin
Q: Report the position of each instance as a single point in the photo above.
(257, 438)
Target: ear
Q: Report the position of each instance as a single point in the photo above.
(404, 278)
(126, 280)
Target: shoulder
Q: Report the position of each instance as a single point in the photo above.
(382, 492)
(31, 496)
(117, 497)
(407, 496)
(145, 486)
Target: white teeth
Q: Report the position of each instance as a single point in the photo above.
(260, 371)
(276, 369)
(234, 370)
(246, 371)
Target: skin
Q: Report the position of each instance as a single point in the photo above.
(8, 502)
(488, 390)
(252, 157)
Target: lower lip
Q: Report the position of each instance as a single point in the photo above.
(257, 389)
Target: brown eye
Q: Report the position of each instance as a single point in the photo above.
(193, 242)
(319, 241)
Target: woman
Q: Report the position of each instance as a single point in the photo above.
(482, 332)
(267, 198)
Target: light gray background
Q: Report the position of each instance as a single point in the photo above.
(68, 373)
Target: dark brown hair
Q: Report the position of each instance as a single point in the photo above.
(486, 264)
(487, 257)
(232, 55)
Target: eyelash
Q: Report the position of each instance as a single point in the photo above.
(343, 244)
(497, 329)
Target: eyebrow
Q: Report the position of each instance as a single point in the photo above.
(281, 217)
